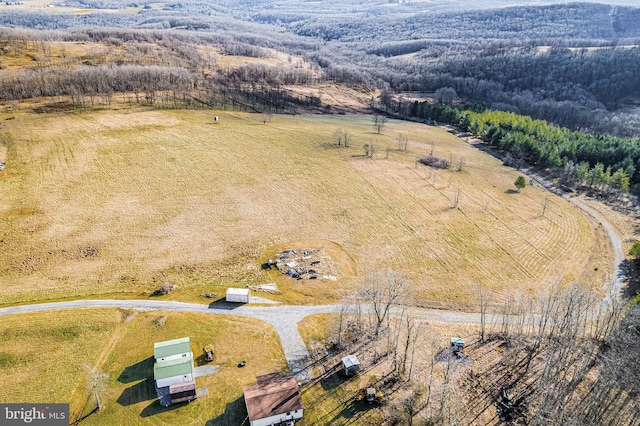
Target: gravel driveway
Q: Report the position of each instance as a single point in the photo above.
(285, 318)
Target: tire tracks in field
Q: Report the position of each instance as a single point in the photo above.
(399, 217)
(482, 231)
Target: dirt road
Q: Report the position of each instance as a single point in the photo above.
(283, 318)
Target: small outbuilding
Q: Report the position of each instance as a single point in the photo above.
(457, 344)
(350, 365)
(237, 295)
(182, 392)
(273, 400)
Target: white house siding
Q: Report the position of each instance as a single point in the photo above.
(274, 420)
(174, 380)
(177, 356)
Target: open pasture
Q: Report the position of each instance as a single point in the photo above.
(117, 202)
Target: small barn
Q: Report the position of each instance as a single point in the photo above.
(350, 365)
(237, 295)
(273, 400)
(173, 371)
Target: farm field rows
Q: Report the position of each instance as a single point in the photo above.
(116, 202)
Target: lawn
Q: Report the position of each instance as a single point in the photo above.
(113, 203)
(50, 357)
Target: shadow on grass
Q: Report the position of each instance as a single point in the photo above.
(201, 360)
(334, 378)
(143, 391)
(138, 371)
(349, 414)
(223, 305)
(234, 414)
(155, 408)
(511, 191)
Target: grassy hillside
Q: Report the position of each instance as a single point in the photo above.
(119, 201)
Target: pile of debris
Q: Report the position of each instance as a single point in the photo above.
(307, 264)
(266, 288)
(511, 408)
(436, 162)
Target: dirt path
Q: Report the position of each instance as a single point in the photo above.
(284, 318)
(616, 242)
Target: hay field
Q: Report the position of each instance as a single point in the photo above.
(113, 203)
(48, 357)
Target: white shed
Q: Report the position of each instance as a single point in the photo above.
(350, 365)
(237, 295)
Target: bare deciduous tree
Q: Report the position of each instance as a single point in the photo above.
(403, 142)
(383, 290)
(379, 121)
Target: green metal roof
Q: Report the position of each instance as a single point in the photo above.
(457, 341)
(171, 347)
(175, 367)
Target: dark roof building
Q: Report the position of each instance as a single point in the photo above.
(273, 400)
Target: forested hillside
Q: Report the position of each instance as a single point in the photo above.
(573, 64)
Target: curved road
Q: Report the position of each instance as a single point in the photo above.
(616, 243)
(285, 318)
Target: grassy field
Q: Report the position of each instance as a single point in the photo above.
(48, 357)
(113, 203)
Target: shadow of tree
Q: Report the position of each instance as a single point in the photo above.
(630, 270)
(234, 414)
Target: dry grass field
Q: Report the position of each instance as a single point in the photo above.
(116, 202)
(48, 357)
(43, 357)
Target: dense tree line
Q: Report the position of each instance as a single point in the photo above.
(602, 161)
(572, 64)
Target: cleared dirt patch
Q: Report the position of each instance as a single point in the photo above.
(313, 263)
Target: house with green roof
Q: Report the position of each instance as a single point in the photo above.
(173, 371)
(172, 349)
